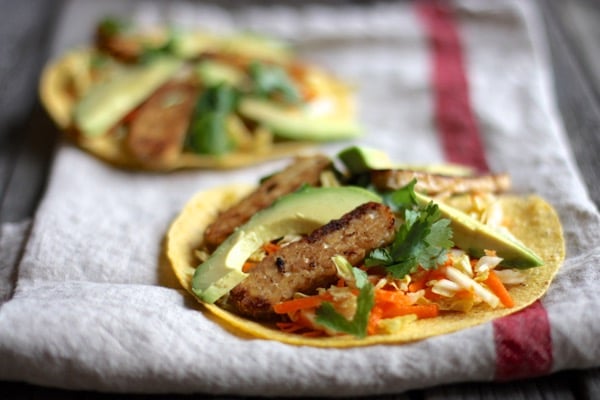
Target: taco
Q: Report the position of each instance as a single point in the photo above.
(324, 253)
(163, 98)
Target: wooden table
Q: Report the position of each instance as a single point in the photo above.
(26, 27)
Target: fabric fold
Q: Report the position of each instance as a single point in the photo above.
(13, 237)
(96, 306)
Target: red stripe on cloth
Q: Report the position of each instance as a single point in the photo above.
(523, 342)
(454, 116)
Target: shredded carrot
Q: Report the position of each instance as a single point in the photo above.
(390, 304)
(271, 248)
(421, 278)
(297, 327)
(374, 318)
(391, 310)
(437, 274)
(309, 93)
(300, 303)
(418, 281)
(417, 285)
(391, 296)
(495, 285)
(297, 70)
(248, 265)
(430, 295)
(463, 294)
(313, 333)
(131, 115)
(289, 327)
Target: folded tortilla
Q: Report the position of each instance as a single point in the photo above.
(533, 220)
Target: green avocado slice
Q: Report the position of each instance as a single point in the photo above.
(300, 212)
(298, 126)
(213, 73)
(109, 101)
(359, 159)
(475, 237)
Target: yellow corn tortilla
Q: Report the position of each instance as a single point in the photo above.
(532, 220)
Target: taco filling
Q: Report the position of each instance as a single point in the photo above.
(161, 99)
(337, 258)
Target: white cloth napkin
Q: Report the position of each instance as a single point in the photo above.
(96, 307)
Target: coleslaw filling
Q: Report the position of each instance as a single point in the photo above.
(457, 285)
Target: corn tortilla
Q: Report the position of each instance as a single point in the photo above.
(532, 220)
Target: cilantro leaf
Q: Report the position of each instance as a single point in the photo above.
(357, 326)
(151, 53)
(402, 198)
(422, 240)
(380, 256)
(270, 80)
(208, 127)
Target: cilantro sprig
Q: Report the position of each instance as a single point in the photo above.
(422, 240)
(208, 128)
(208, 132)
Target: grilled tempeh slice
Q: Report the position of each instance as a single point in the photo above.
(305, 265)
(157, 130)
(303, 171)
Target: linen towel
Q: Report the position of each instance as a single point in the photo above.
(90, 303)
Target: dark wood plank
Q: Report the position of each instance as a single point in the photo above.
(579, 24)
(26, 138)
(23, 391)
(558, 386)
(586, 384)
(575, 87)
(32, 158)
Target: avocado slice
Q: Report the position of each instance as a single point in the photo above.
(108, 102)
(257, 47)
(192, 44)
(475, 237)
(295, 125)
(300, 212)
(213, 73)
(359, 159)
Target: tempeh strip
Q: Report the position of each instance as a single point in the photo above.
(303, 171)
(306, 265)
